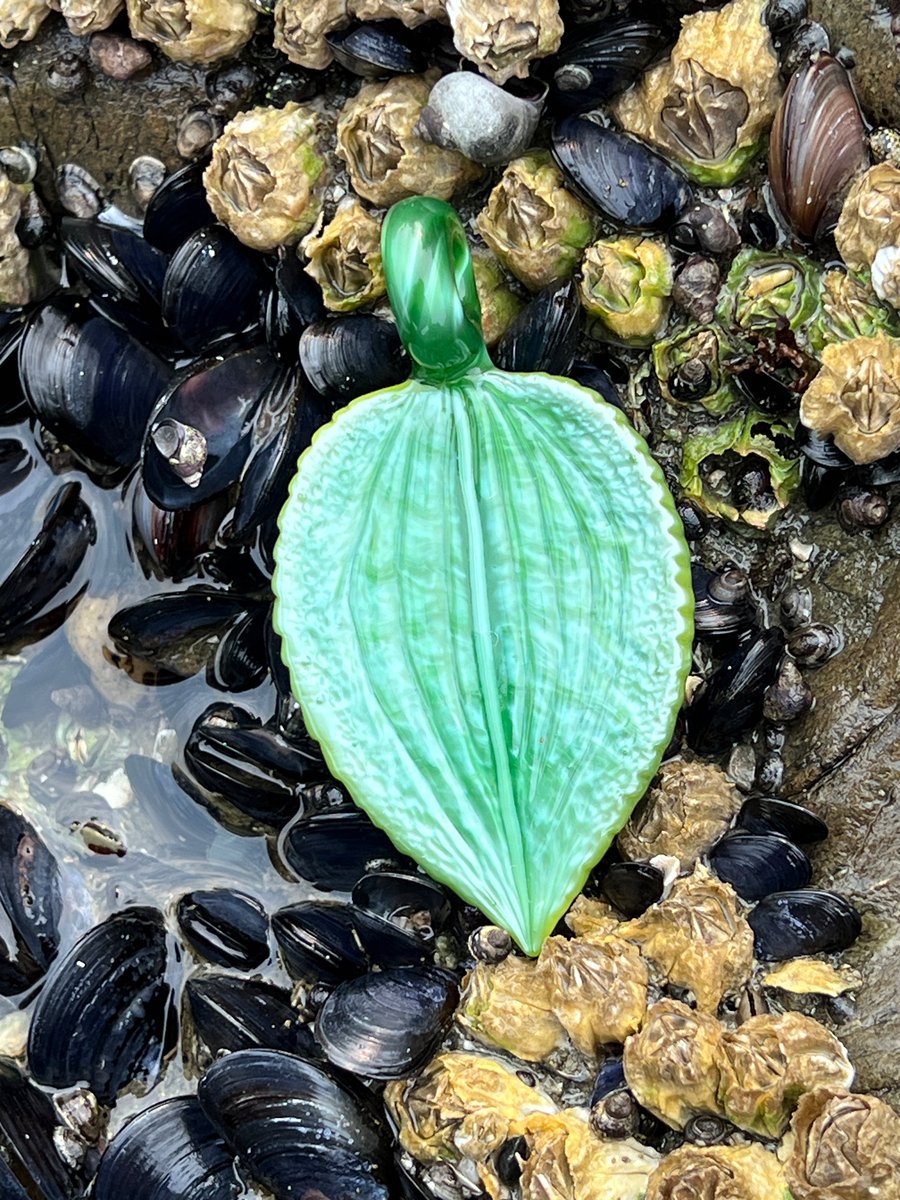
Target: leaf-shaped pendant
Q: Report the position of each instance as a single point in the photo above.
(484, 598)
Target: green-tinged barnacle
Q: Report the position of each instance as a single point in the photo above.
(20, 20)
(89, 16)
(870, 216)
(721, 466)
(508, 1005)
(769, 1062)
(842, 1146)
(345, 258)
(503, 36)
(672, 1065)
(567, 1161)
(718, 1173)
(847, 309)
(697, 937)
(385, 156)
(856, 397)
(763, 286)
(300, 28)
(689, 369)
(534, 225)
(597, 988)
(625, 283)
(267, 175)
(196, 31)
(499, 303)
(688, 806)
(710, 104)
(15, 276)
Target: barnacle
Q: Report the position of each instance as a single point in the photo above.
(764, 287)
(847, 310)
(812, 976)
(626, 283)
(300, 28)
(200, 31)
(842, 1146)
(345, 258)
(508, 1005)
(870, 217)
(687, 807)
(672, 1065)
(502, 36)
(20, 20)
(89, 16)
(499, 304)
(718, 1173)
(567, 1161)
(15, 281)
(886, 275)
(690, 371)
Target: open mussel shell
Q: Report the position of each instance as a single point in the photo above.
(46, 582)
(632, 887)
(89, 381)
(349, 355)
(228, 1012)
(177, 209)
(29, 890)
(795, 923)
(544, 335)
(377, 49)
(296, 1130)
(594, 69)
(104, 1017)
(768, 814)
(326, 942)
(387, 1024)
(168, 1152)
(199, 436)
(332, 850)
(758, 864)
(28, 1146)
(224, 927)
(817, 145)
(731, 700)
(414, 902)
(114, 260)
(619, 175)
(212, 288)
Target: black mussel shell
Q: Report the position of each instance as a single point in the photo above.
(350, 355)
(376, 49)
(212, 288)
(250, 765)
(12, 330)
(231, 1013)
(414, 902)
(168, 1152)
(796, 923)
(326, 942)
(820, 484)
(29, 890)
(177, 209)
(200, 434)
(224, 927)
(174, 635)
(596, 68)
(90, 382)
(758, 864)
(168, 542)
(45, 583)
(731, 700)
(610, 1078)
(591, 376)
(105, 1015)
(294, 302)
(632, 887)
(296, 1130)
(114, 260)
(725, 612)
(332, 850)
(821, 450)
(767, 814)
(817, 145)
(619, 175)
(544, 335)
(240, 661)
(28, 1147)
(387, 1024)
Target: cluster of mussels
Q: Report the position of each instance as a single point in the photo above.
(254, 1035)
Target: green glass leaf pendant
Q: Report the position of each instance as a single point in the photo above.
(484, 598)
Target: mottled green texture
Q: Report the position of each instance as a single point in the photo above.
(484, 596)
(765, 285)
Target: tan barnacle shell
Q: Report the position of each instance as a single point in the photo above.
(843, 1146)
(626, 282)
(410, 12)
(300, 28)
(267, 175)
(886, 275)
(20, 20)
(587, 916)
(199, 31)
(767, 1063)
(687, 807)
(718, 1173)
(567, 1161)
(508, 1005)
(499, 303)
(345, 258)
(15, 278)
(503, 36)
(385, 156)
(711, 102)
(597, 988)
(856, 397)
(812, 976)
(534, 225)
(697, 937)
(89, 16)
(870, 216)
(672, 1065)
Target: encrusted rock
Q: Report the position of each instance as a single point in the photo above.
(502, 37)
(195, 31)
(119, 57)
